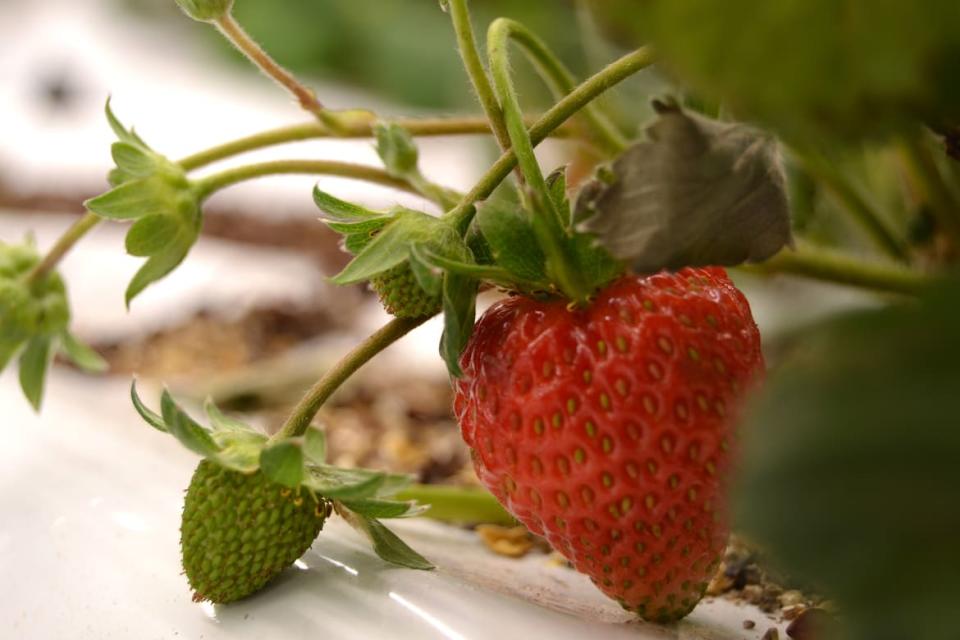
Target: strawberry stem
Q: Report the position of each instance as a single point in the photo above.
(548, 225)
(239, 38)
(296, 425)
(62, 246)
(211, 184)
(419, 127)
(832, 266)
(457, 504)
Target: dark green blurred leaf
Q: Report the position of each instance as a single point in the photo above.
(459, 313)
(850, 467)
(846, 68)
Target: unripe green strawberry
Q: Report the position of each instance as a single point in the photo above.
(239, 531)
(401, 294)
(608, 429)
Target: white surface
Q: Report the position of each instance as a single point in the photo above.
(91, 500)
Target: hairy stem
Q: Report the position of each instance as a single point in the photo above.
(832, 266)
(305, 96)
(306, 409)
(547, 223)
(353, 128)
(562, 82)
(467, 45)
(457, 504)
(595, 85)
(63, 245)
(211, 184)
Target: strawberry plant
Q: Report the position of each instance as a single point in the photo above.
(601, 396)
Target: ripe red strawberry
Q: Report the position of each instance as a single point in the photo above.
(608, 430)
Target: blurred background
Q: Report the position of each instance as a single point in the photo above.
(249, 318)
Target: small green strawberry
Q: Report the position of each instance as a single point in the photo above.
(402, 296)
(255, 504)
(239, 531)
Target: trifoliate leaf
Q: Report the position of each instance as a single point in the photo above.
(283, 463)
(150, 417)
(698, 192)
(816, 67)
(397, 149)
(82, 355)
(33, 369)
(390, 547)
(849, 471)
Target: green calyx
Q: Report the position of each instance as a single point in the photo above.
(156, 194)
(256, 504)
(206, 10)
(34, 320)
(239, 531)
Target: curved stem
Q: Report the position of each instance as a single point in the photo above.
(549, 228)
(467, 45)
(611, 75)
(305, 96)
(63, 245)
(420, 127)
(211, 184)
(306, 409)
(457, 504)
(832, 266)
(561, 81)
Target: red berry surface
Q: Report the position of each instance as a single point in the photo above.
(609, 430)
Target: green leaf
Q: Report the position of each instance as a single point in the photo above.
(149, 235)
(343, 484)
(397, 149)
(391, 548)
(699, 192)
(817, 68)
(393, 483)
(130, 200)
(315, 445)
(459, 313)
(283, 463)
(185, 429)
(336, 209)
(82, 355)
(133, 159)
(512, 241)
(387, 249)
(150, 417)
(373, 508)
(33, 369)
(239, 450)
(849, 471)
(122, 133)
(468, 269)
(155, 268)
(222, 422)
(427, 276)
